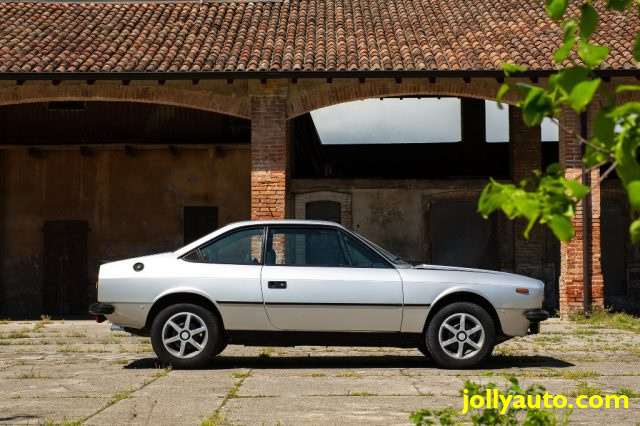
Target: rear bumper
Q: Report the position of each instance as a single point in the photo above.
(101, 309)
(537, 315)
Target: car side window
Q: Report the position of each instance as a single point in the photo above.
(239, 248)
(300, 246)
(362, 256)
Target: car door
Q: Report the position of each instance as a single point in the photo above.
(310, 282)
(228, 270)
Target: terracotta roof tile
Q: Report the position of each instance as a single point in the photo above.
(289, 35)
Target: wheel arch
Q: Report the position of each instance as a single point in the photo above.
(184, 296)
(464, 296)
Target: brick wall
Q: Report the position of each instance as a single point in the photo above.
(526, 155)
(268, 157)
(572, 254)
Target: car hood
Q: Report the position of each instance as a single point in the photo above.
(457, 269)
(459, 275)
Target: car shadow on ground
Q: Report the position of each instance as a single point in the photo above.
(222, 362)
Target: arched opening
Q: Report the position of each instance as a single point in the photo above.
(83, 183)
(324, 210)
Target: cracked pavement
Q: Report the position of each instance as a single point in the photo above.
(79, 371)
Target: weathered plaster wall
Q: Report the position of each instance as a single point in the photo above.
(134, 205)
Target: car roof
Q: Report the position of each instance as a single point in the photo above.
(235, 225)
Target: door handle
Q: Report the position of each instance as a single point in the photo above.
(277, 284)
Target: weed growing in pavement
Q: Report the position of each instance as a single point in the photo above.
(600, 317)
(493, 416)
(584, 388)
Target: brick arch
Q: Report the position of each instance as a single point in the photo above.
(343, 198)
(195, 98)
(306, 99)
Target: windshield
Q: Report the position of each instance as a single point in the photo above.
(396, 260)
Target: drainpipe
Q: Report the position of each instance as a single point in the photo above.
(586, 227)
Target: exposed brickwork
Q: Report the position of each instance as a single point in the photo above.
(572, 255)
(526, 155)
(268, 157)
(214, 96)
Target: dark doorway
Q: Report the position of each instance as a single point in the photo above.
(199, 221)
(323, 210)
(65, 266)
(461, 237)
(613, 234)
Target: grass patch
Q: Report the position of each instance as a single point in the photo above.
(317, 375)
(119, 397)
(607, 318)
(76, 334)
(162, 372)
(362, 394)
(351, 374)
(579, 374)
(62, 423)
(584, 388)
(5, 321)
(217, 418)
(31, 375)
(629, 393)
(266, 352)
(241, 374)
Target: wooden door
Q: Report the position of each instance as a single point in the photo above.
(65, 266)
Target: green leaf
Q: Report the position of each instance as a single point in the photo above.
(583, 93)
(592, 54)
(554, 169)
(510, 69)
(633, 191)
(568, 78)
(504, 88)
(536, 105)
(627, 88)
(568, 41)
(618, 4)
(556, 8)
(561, 227)
(576, 189)
(588, 21)
(634, 230)
(604, 128)
(636, 48)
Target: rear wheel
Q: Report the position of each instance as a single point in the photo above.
(186, 335)
(460, 335)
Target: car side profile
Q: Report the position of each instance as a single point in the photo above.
(301, 282)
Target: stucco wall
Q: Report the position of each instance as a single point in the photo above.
(133, 205)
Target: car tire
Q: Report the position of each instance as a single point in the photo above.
(186, 336)
(452, 347)
(222, 347)
(422, 347)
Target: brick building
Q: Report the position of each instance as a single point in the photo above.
(129, 127)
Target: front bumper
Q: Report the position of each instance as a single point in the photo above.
(535, 317)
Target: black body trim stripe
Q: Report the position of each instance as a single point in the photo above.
(391, 305)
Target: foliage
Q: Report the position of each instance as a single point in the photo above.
(600, 317)
(550, 198)
(494, 416)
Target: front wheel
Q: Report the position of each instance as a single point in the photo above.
(185, 336)
(460, 335)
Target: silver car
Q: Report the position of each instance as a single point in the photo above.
(299, 282)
